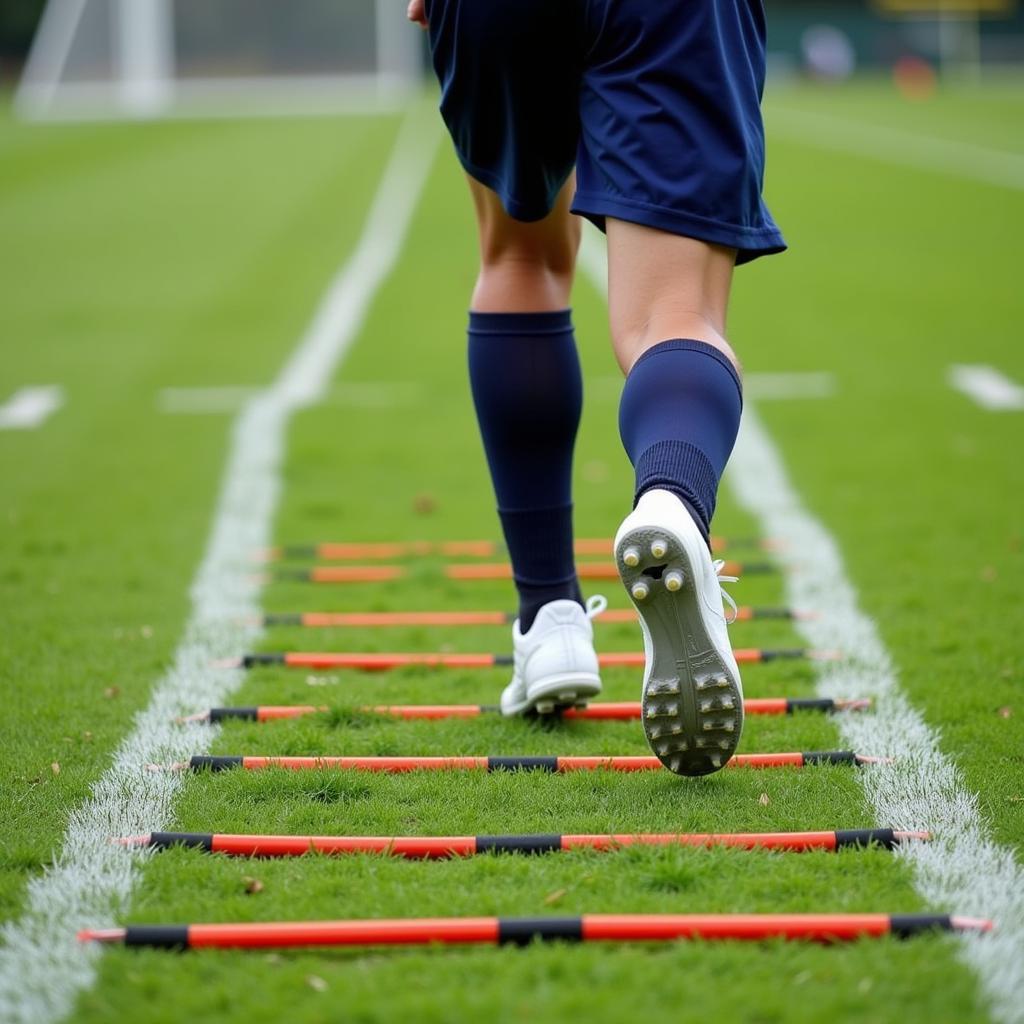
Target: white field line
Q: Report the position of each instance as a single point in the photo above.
(962, 870)
(986, 386)
(895, 146)
(42, 966)
(360, 394)
(202, 400)
(30, 407)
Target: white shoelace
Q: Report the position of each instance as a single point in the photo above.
(597, 604)
(719, 564)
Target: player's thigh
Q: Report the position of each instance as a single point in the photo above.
(509, 72)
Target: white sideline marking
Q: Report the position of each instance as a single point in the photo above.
(30, 407)
(42, 966)
(361, 394)
(895, 146)
(987, 387)
(769, 387)
(199, 401)
(962, 870)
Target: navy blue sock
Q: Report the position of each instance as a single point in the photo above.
(528, 393)
(678, 419)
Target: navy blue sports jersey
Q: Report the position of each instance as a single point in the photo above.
(655, 102)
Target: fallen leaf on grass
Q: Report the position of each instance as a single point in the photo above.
(1006, 712)
(252, 885)
(55, 768)
(316, 983)
(554, 897)
(424, 504)
(764, 799)
(111, 692)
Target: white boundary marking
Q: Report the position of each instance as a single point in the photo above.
(895, 146)
(361, 394)
(962, 870)
(29, 408)
(202, 400)
(42, 966)
(986, 386)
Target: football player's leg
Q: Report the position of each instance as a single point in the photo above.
(680, 408)
(678, 418)
(671, 164)
(510, 85)
(527, 391)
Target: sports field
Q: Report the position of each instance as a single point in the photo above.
(164, 276)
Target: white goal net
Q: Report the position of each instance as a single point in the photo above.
(153, 58)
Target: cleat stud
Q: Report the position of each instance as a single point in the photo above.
(716, 760)
(700, 742)
(659, 548)
(674, 764)
(673, 581)
(727, 704)
(631, 557)
(709, 726)
(728, 727)
(724, 744)
(639, 591)
(545, 707)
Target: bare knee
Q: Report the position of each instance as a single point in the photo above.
(634, 335)
(524, 266)
(664, 286)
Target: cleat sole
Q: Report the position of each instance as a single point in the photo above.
(698, 729)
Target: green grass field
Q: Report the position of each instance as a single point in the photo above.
(142, 257)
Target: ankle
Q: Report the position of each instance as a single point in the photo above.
(533, 597)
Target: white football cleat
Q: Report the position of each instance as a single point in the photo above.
(692, 701)
(555, 665)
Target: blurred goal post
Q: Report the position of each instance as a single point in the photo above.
(110, 59)
(958, 23)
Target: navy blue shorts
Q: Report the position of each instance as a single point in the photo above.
(655, 102)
